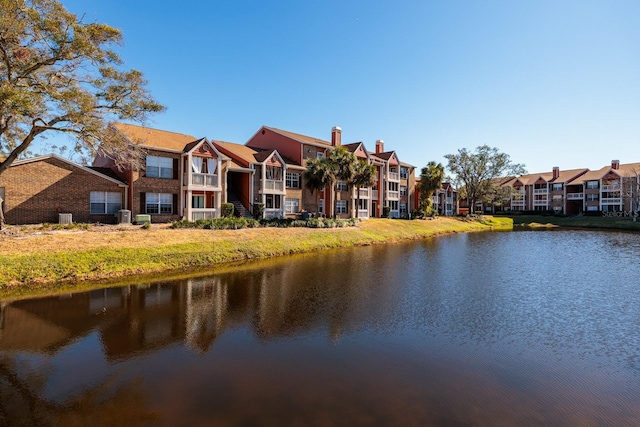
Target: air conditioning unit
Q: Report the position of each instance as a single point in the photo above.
(65, 218)
(124, 216)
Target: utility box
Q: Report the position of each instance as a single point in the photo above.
(141, 219)
(124, 216)
(65, 218)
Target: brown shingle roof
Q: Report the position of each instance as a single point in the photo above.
(153, 137)
(240, 153)
(570, 175)
(299, 137)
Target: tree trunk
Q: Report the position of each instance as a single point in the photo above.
(1, 214)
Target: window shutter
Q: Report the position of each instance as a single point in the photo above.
(175, 168)
(143, 203)
(175, 204)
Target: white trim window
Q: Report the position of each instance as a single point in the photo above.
(159, 203)
(293, 180)
(341, 207)
(321, 206)
(159, 167)
(291, 206)
(403, 190)
(104, 202)
(592, 185)
(342, 186)
(557, 187)
(403, 173)
(273, 201)
(403, 209)
(320, 155)
(197, 201)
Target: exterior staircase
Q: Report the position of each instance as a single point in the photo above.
(238, 208)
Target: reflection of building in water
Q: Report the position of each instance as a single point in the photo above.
(285, 299)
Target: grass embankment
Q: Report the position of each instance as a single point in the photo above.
(598, 222)
(48, 260)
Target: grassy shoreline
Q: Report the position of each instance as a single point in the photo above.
(65, 260)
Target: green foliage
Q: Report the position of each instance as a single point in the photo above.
(146, 225)
(227, 209)
(58, 73)
(225, 223)
(364, 176)
(386, 210)
(258, 211)
(477, 171)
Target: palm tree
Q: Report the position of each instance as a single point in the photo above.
(431, 178)
(318, 175)
(343, 162)
(364, 176)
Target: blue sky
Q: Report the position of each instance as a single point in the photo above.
(551, 83)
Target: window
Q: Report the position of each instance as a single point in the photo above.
(159, 203)
(364, 204)
(159, 167)
(393, 204)
(592, 208)
(393, 186)
(320, 155)
(342, 186)
(403, 209)
(403, 173)
(403, 190)
(274, 173)
(557, 187)
(293, 180)
(291, 206)
(103, 202)
(341, 207)
(197, 201)
(321, 206)
(592, 185)
(273, 201)
(592, 197)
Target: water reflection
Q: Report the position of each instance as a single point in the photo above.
(484, 329)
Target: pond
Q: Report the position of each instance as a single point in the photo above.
(503, 328)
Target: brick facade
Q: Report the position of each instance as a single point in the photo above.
(39, 189)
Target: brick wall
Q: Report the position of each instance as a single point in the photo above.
(37, 191)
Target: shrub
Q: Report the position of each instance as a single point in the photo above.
(146, 225)
(227, 210)
(258, 211)
(386, 210)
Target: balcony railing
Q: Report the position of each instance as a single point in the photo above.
(393, 195)
(364, 193)
(394, 176)
(540, 203)
(517, 202)
(575, 196)
(374, 194)
(557, 197)
(197, 214)
(540, 191)
(273, 185)
(611, 201)
(201, 179)
(611, 187)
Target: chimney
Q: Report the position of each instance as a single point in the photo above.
(379, 146)
(615, 164)
(556, 172)
(336, 136)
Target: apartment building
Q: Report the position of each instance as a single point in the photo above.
(182, 176)
(613, 188)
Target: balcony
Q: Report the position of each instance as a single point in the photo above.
(363, 213)
(200, 180)
(517, 202)
(197, 214)
(364, 193)
(393, 195)
(394, 176)
(272, 185)
(575, 196)
(611, 201)
(540, 191)
(540, 203)
(611, 187)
